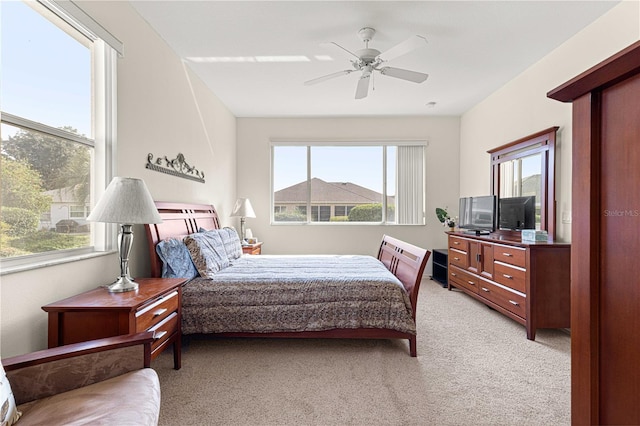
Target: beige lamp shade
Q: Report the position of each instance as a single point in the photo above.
(126, 200)
(243, 208)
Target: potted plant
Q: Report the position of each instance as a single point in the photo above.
(445, 219)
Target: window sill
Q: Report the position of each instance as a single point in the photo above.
(37, 264)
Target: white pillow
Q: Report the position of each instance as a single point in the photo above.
(9, 413)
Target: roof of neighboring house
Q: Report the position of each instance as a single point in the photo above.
(329, 193)
(65, 195)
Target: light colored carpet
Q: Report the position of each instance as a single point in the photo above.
(474, 367)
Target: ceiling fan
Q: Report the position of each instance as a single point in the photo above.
(368, 60)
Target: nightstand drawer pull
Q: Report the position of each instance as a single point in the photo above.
(453, 274)
(471, 282)
(485, 289)
(507, 254)
(513, 302)
(456, 243)
(159, 335)
(456, 258)
(507, 276)
(159, 312)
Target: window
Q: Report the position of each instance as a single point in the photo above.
(79, 212)
(342, 210)
(374, 183)
(56, 80)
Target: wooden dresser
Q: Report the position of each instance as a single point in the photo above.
(94, 314)
(528, 282)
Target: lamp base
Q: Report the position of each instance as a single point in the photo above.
(123, 284)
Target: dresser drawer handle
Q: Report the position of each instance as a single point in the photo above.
(509, 277)
(453, 274)
(485, 289)
(456, 258)
(514, 303)
(160, 335)
(159, 312)
(471, 282)
(507, 254)
(456, 243)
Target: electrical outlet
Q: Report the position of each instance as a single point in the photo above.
(566, 217)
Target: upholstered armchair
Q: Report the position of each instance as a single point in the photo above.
(104, 381)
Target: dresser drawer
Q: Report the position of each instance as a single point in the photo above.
(511, 255)
(510, 276)
(459, 258)
(459, 244)
(460, 278)
(509, 300)
(164, 330)
(151, 314)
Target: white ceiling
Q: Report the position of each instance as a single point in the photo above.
(474, 47)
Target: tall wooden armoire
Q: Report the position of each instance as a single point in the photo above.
(605, 256)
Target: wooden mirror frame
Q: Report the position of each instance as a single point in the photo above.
(544, 143)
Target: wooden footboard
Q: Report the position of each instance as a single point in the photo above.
(404, 260)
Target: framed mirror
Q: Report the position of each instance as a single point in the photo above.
(525, 168)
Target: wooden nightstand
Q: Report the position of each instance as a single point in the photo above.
(252, 248)
(155, 306)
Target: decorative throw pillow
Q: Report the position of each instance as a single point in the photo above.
(207, 252)
(176, 259)
(232, 244)
(9, 413)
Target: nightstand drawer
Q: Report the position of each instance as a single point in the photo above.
(164, 330)
(151, 314)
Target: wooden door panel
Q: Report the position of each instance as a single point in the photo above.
(619, 343)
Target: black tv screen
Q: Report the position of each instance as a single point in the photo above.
(478, 213)
(517, 213)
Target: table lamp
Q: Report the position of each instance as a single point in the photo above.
(126, 201)
(243, 209)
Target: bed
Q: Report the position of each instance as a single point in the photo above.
(358, 297)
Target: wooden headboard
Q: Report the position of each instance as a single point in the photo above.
(179, 220)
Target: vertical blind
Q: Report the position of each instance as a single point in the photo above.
(410, 185)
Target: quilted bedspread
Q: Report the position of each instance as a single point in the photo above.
(262, 294)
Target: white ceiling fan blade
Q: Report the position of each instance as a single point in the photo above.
(406, 46)
(416, 77)
(340, 47)
(327, 77)
(363, 84)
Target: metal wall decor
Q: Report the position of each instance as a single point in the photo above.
(176, 167)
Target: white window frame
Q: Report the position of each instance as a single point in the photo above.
(106, 49)
(274, 143)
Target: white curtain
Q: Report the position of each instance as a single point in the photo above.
(410, 185)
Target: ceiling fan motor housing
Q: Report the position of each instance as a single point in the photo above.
(367, 55)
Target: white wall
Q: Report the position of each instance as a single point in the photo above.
(160, 106)
(521, 108)
(254, 137)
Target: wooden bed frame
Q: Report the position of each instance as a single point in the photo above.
(404, 260)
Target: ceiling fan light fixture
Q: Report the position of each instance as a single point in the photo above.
(368, 60)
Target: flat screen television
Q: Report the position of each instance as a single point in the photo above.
(517, 213)
(478, 213)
